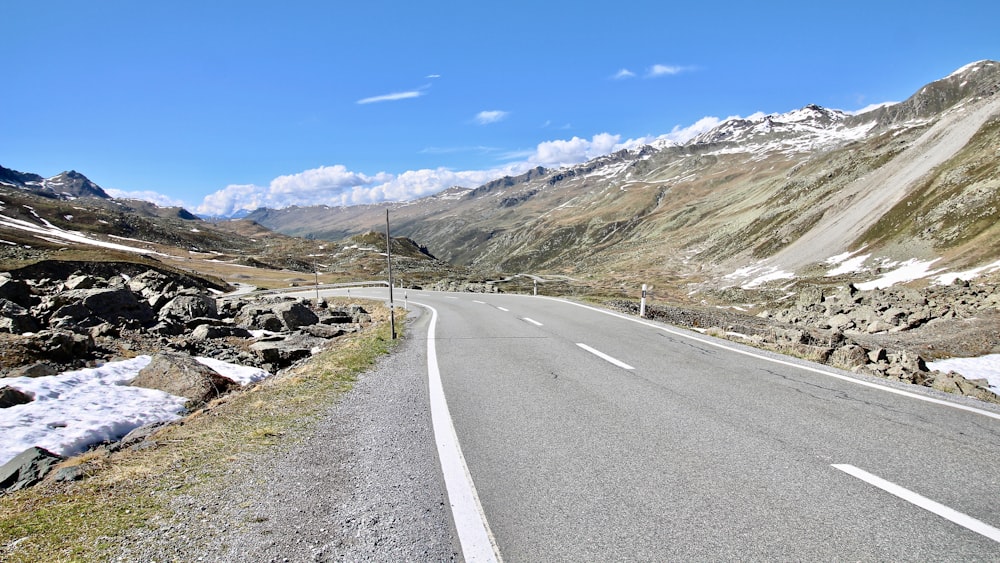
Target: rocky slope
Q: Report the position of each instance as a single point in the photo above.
(770, 195)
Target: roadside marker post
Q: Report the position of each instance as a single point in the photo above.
(536, 286)
(642, 303)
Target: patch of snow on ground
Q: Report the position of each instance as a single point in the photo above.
(950, 277)
(769, 274)
(983, 367)
(847, 265)
(71, 236)
(77, 409)
(908, 271)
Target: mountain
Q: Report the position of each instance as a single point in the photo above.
(67, 185)
(770, 197)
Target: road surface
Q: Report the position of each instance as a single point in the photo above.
(591, 436)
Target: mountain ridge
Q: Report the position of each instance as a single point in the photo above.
(740, 196)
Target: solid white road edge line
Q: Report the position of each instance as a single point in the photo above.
(532, 321)
(785, 362)
(478, 543)
(941, 510)
(604, 356)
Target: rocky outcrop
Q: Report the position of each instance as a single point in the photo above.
(27, 468)
(842, 327)
(10, 397)
(182, 375)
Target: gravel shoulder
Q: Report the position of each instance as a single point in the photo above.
(363, 484)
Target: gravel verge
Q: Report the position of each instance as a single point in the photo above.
(362, 484)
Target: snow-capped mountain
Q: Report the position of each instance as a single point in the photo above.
(776, 194)
(66, 185)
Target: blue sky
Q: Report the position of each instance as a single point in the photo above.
(220, 105)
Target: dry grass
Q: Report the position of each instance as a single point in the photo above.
(125, 490)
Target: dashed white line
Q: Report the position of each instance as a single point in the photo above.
(941, 510)
(504, 310)
(532, 321)
(480, 302)
(827, 373)
(604, 356)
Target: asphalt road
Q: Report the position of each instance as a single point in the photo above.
(677, 446)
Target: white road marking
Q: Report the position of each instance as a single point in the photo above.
(480, 302)
(504, 310)
(532, 321)
(478, 543)
(785, 362)
(941, 510)
(450, 297)
(604, 356)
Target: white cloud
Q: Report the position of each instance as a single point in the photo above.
(872, 107)
(664, 70)
(392, 97)
(338, 186)
(623, 73)
(146, 195)
(492, 116)
(684, 134)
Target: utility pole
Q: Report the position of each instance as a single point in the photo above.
(388, 257)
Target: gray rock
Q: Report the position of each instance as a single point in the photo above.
(15, 319)
(16, 291)
(37, 369)
(182, 375)
(82, 281)
(282, 352)
(27, 468)
(294, 315)
(10, 397)
(62, 345)
(111, 305)
(189, 307)
(849, 356)
(211, 332)
(324, 331)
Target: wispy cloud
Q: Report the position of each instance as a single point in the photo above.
(623, 74)
(491, 116)
(432, 76)
(664, 70)
(392, 97)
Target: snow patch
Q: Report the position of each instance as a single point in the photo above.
(984, 367)
(74, 410)
(910, 270)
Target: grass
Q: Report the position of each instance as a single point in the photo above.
(128, 489)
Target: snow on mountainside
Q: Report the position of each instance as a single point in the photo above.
(807, 129)
(66, 185)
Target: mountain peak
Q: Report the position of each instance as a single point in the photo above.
(71, 185)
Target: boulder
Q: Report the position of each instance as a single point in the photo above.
(211, 332)
(324, 331)
(62, 345)
(283, 351)
(10, 397)
(182, 375)
(849, 356)
(82, 281)
(189, 307)
(16, 291)
(15, 319)
(294, 315)
(37, 369)
(111, 305)
(27, 468)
